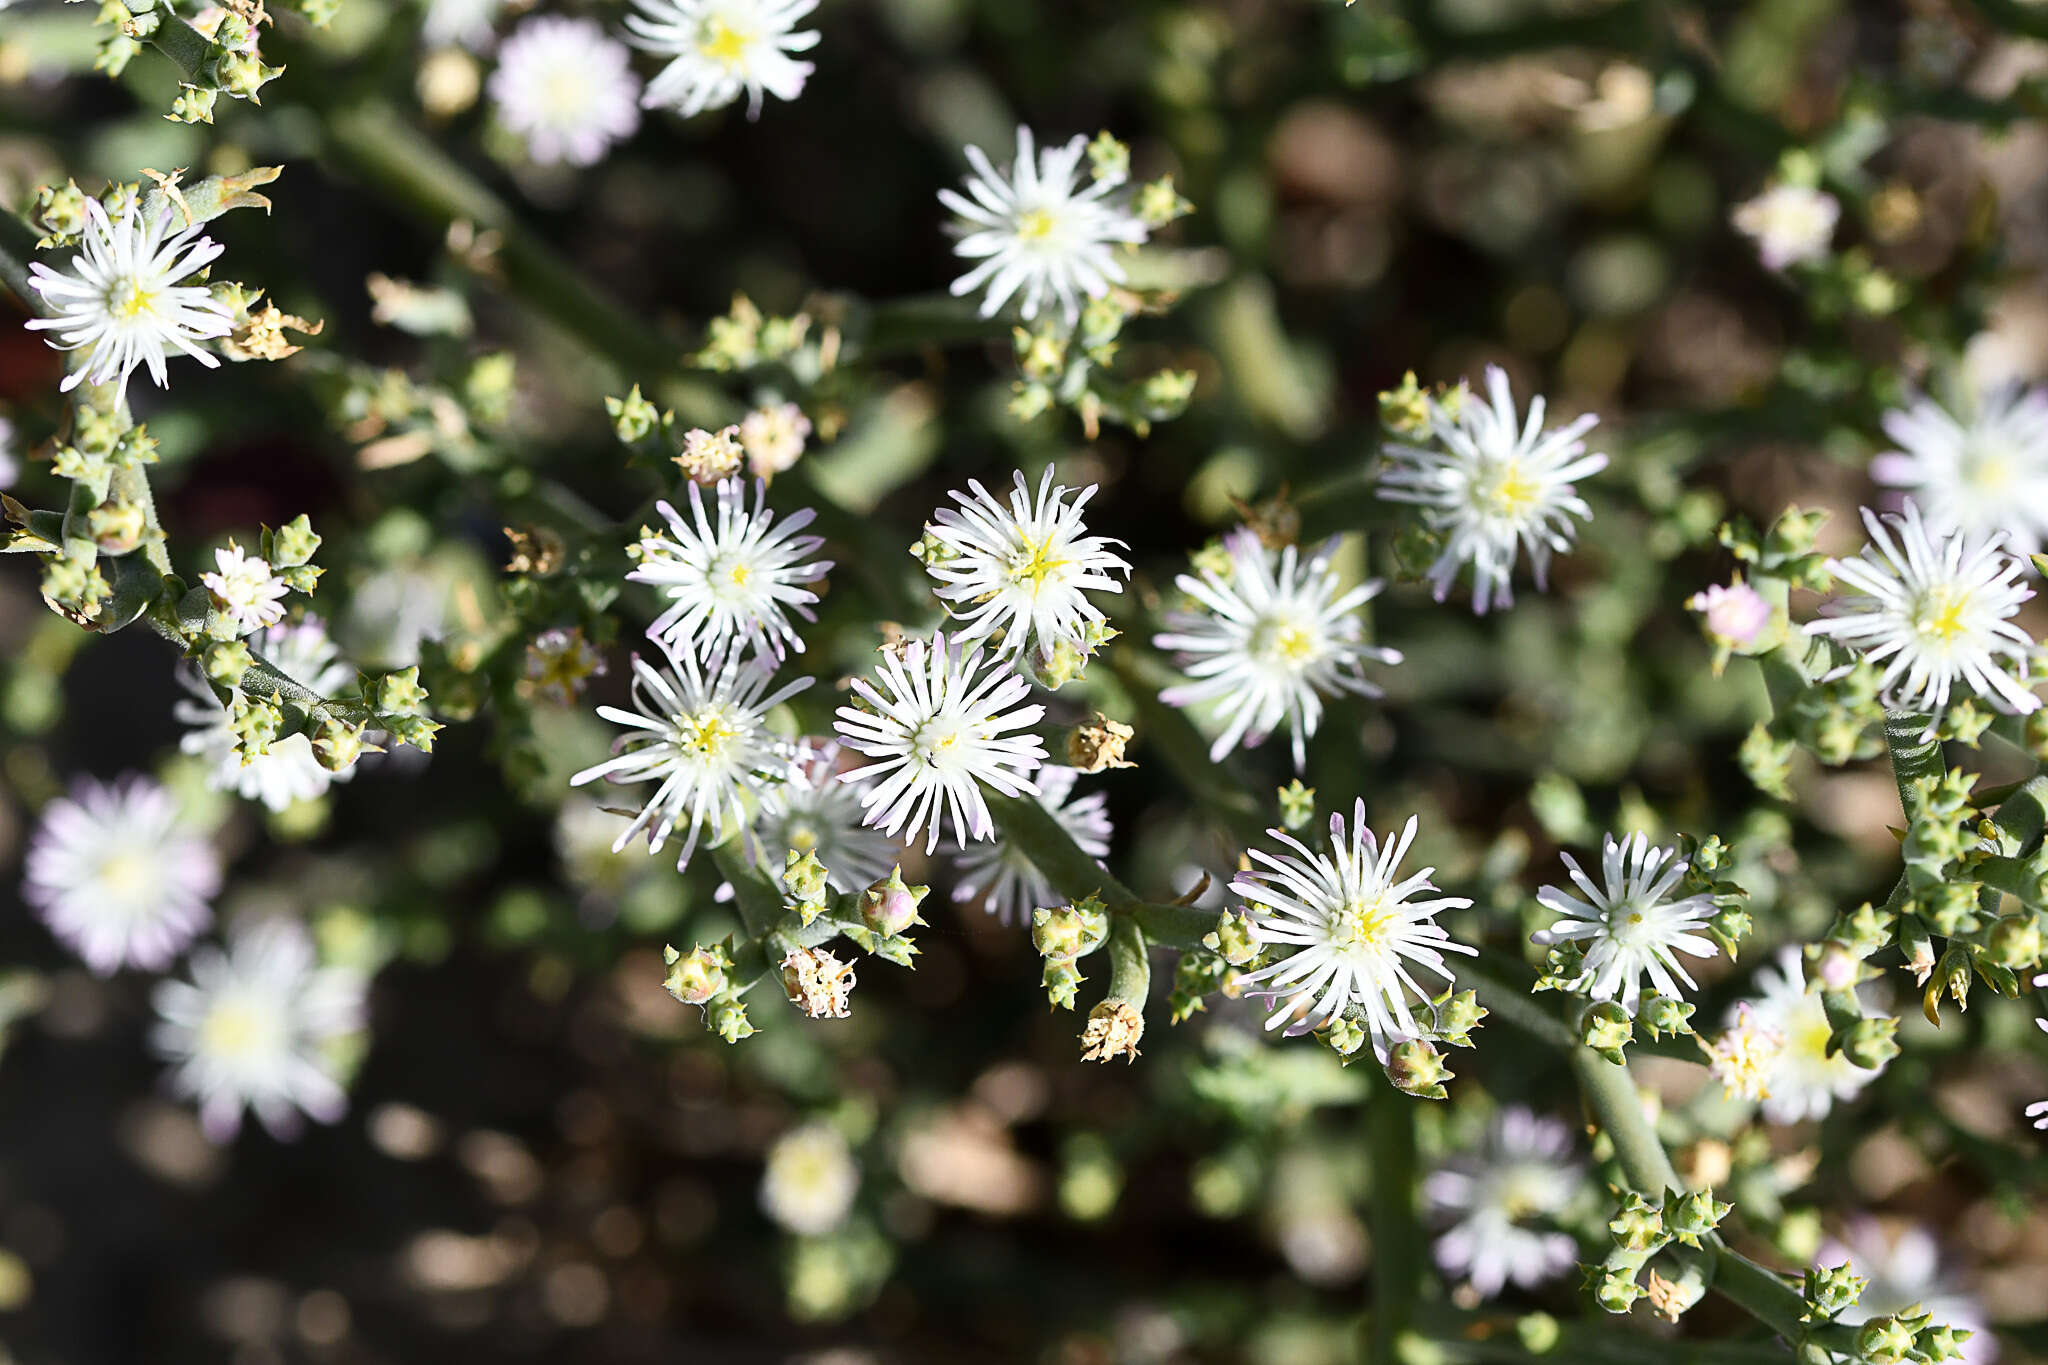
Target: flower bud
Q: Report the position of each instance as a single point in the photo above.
(1871, 1042)
(1607, 1029)
(337, 744)
(1041, 351)
(1836, 967)
(225, 661)
(1884, 1341)
(803, 878)
(256, 723)
(634, 419)
(1940, 1343)
(1614, 1288)
(395, 693)
(728, 1019)
(1233, 939)
(1060, 665)
(1696, 1215)
(59, 210)
(1539, 1333)
(1344, 1036)
(194, 104)
(1061, 979)
(696, 977)
(1417, 1068)
(889, 907)
(292, 544)
(1637, 1225)
(1066, 932)
(117, 527)
(1297, 805)
(1729, 926)
(1660, 1015)
(1114, 1028)
(1158, 203)
(2014, 941)
(417, 731)
(1457, 1015)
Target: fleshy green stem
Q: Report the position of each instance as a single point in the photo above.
(1391, 1218)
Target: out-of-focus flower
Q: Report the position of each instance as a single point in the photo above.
(711, 457)
(1278, 632)
(1735, 615)
(558, 664)
(1981, 474)
(1631, 927)
(10, 458)
(1905, 1269)
(810, 1180)
(289, 772)
(702, 735)
(1024, 569)
(774, 438)
(245, 588)
(719, 49)
(1354, 927)
(122, 301)
(1032, 230)
(566, 90)
(1009, 885)
(1496, 483)
(1802, 1081)
(1498, 1196)
(1744, 1056)
(814, 812)
(732, 579)
(115, 873)
(1935, 610)
(1790, 224)
(253, 1029)
(938, 726)
(465, 23)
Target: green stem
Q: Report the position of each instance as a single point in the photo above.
(1397, 1257)
(1610, 1092)
(1130, 965)
(1032, 831)
(17, 249)
(1167, 734)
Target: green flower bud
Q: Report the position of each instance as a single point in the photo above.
(1614, 1289)
(1660, 1015)
(417, 731)
(803, 878)
(1871, 1042)
(1062, 979)
(1405, 410)
(1070, 931)
(1108, 159)
(243, 74)
(1607, 1029)
(1696, 1215)
(1729, 926)
(337, 744)
(1166, 393)
(1457, 1015)
(1297, 805)
(74, 587)
(1233, 940)
(1061, 665)
(397, 693)
(117, 527)
(1941, 1343)
(1637, 1225)
(1041, 351)
(1767, 761)
(889, 907)
(696, 977)
(225, 661)
(1158, 203)
(1344, 1037)
(194, 104)
(728, 1019)
(634, 419)
(1884, 1341)
(1417, 1068)
(257, 723)
(1830, 1290)
(59, 210)
(2015, 941)
(1539, 1333)
(292, 544)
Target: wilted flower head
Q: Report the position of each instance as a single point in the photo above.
(1935, 610)
(253, 1029)
(1493, 482)
(718, 50)
(566, 89)
(1034, 231)
(1498, 1198)
(1356, 930)
(123, 300)
(1790, 224)
(1631, 926)
(116, 874)
(773, 438)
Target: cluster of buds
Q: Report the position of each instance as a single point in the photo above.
(803, 885)
(888, 912)
(703, 977)
(216, 51)
(396, 419)
(1068, 659)
(1063, 936)
(1059, 366)
(1640, 1231)
(744, 338)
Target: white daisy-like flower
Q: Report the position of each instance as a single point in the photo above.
(1024, 569)
(702, 733)
(938, 726)
(116, 874)
(123, 300)
(720, 49)
(1801, 1081)
(1790, 224)
(461, 23)
(1935, 610)
(1009, 884)
(1034, 231)
(255, 1029)
(814, 812)
(1497, 482)
(810, 1180)
(1356, 928)
(1980, 474)
(1502, 1200)
(289, 772)
(566, 89)
(731, 578)
(1276, 635)
(1905, 1269)
(1630, 927)
(244, 586)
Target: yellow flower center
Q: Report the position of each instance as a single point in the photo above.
(1505, 491)
(124, 874)
(1033, 562)
(706, 734)
(562, 94)
(723, 43)
(1940, 616)
(128, 301)
(1362, 922)
(231, 1028)
(1285, 642)
(1035, 225)
(802, 838)
(739, 575)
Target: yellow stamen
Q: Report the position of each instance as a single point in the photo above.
(1035, 225)
(724, 43)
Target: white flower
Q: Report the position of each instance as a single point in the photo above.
(1790, 224)
(718, 48)
(1801, 1080)
(773, 438)
(1632, 927)
(814, 812)
(118, 877)
(464, 23)
(1521, 1173)
(1736, 616)
(255, 1027)
(731, 579)
(938, 727)
(1980, 475)
(10, 461)
(1905, 1270)
(566, 89)
(810, 1180)
(1032, 230)
(1355, 929)
(122, 300)
(244, 587)
(289, 772)
(1496, 483)
(1277, 635)
(1009, 885)
(1935, 610)
(1024, 569)
(703, 735)
(1743, 1057)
